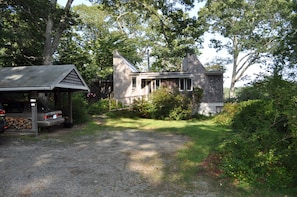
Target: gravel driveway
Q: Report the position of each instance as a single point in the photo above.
(118, 163)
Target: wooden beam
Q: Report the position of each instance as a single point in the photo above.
(69, 122)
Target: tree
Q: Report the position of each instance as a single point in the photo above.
(95, 37)
(286, 53)
(54, 29)
(252, 29)
(31, 30)
(21, 32)
(163, 27)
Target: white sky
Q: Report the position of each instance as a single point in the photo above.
(75, 2)
(207, 53)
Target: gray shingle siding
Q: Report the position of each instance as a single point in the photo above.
(210, 82)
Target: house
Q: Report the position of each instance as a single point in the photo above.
(129, 83)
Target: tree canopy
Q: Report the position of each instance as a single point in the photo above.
(31, 30)
(257, 32)
(252, 28)
(163, 27)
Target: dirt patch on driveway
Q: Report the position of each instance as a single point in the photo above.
(117, 163)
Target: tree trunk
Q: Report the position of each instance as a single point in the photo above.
(232, 90)
(53, 36)
(234, 69)
(47, 51)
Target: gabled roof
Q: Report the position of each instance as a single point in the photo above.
(41, 78)
(130, 65)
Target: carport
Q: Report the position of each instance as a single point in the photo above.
(34, 80)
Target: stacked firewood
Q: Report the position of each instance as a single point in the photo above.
(18, 123)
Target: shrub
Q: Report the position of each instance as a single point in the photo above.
(257, 159)
(227, 114)
(263, 147)
(164, 104)
(79, 108)
(102, 106)
(182, 108)
(98, 107)
(253, 115)
(255, 91)
(142, 107)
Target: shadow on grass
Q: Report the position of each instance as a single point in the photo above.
(204, 137)
(180, 170)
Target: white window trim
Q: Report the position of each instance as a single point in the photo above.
(185, 84)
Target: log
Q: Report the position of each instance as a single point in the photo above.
(19, 123)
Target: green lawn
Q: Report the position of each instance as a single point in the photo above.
(204, 137)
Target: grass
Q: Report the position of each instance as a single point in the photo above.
(204, 136)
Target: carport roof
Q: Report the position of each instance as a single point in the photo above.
(41, 78)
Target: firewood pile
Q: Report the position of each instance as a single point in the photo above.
(19, 123)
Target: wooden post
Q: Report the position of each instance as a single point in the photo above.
(70, 108)
(57, 98)
(34, 115)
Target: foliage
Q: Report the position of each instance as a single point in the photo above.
(163, 101)
(142, 107)
(227, 114)
(232, 111)
(91, 43)
(98, 107)
(102, 106)
(164, 104)
(258, 159)
(253, 92)
(197, 95)
(30, 31)
(79, 108)
(253, 116)
(253, 30)
(163, 28)
(286, 51)
(182, 108)
(263, 144)
(21, 26)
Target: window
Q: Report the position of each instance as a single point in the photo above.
(182, 84)
(133, 82)
(185, 84)
(158, 82)
(188, 84)
(155, 84)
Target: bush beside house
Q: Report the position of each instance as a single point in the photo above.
(164, 104)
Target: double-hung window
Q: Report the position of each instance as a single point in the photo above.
(185, 84)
